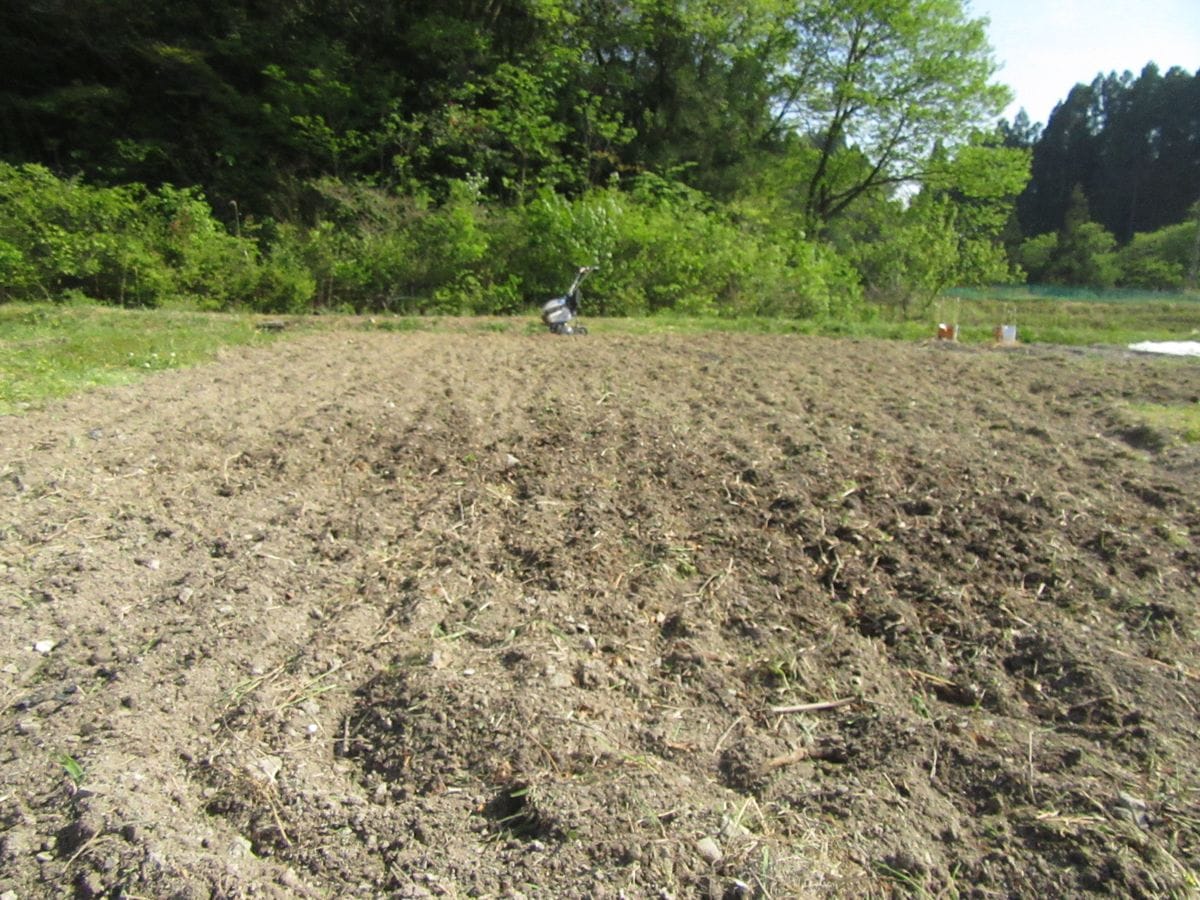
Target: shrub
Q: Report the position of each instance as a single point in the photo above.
(371, 249)
(662, 246)
(124, 245)
(1035, 256)
(212, 268)
(1158, 260)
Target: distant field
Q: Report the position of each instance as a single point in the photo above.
(51, 350)
(1059, 315)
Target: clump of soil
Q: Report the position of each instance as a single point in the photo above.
(421, 615)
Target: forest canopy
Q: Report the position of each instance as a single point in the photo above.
(776, 156)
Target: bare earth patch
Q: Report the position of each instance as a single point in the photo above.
(457, 615)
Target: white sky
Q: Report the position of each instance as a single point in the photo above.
(1046, 47)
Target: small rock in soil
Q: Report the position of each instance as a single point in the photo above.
(709, 850)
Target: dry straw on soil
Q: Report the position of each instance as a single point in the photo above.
(462, 615)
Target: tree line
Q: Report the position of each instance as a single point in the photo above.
(799, 157)
(1115, 182)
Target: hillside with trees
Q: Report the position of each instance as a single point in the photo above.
(1115, 180)
(794, 157)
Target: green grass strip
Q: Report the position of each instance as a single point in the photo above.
(49, 351)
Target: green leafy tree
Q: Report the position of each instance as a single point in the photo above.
(1083, 253)
(380, 152)
(949, 233)
(982, 179)
(693, 82)
(1034, 255)
(907, 256)
(887, 80)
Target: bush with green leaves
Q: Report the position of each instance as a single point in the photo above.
(1035, 254)
(209, 267)
(1159, 260)
(371, 249)
(125, 245)
(659, 246)
(1087, 256)
(62, 235)
(909, 253)
(662, 246)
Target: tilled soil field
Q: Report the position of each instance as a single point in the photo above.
(487, 615)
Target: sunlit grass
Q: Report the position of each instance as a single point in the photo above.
(1179, 421)
(49, 351)
(1117, 319)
